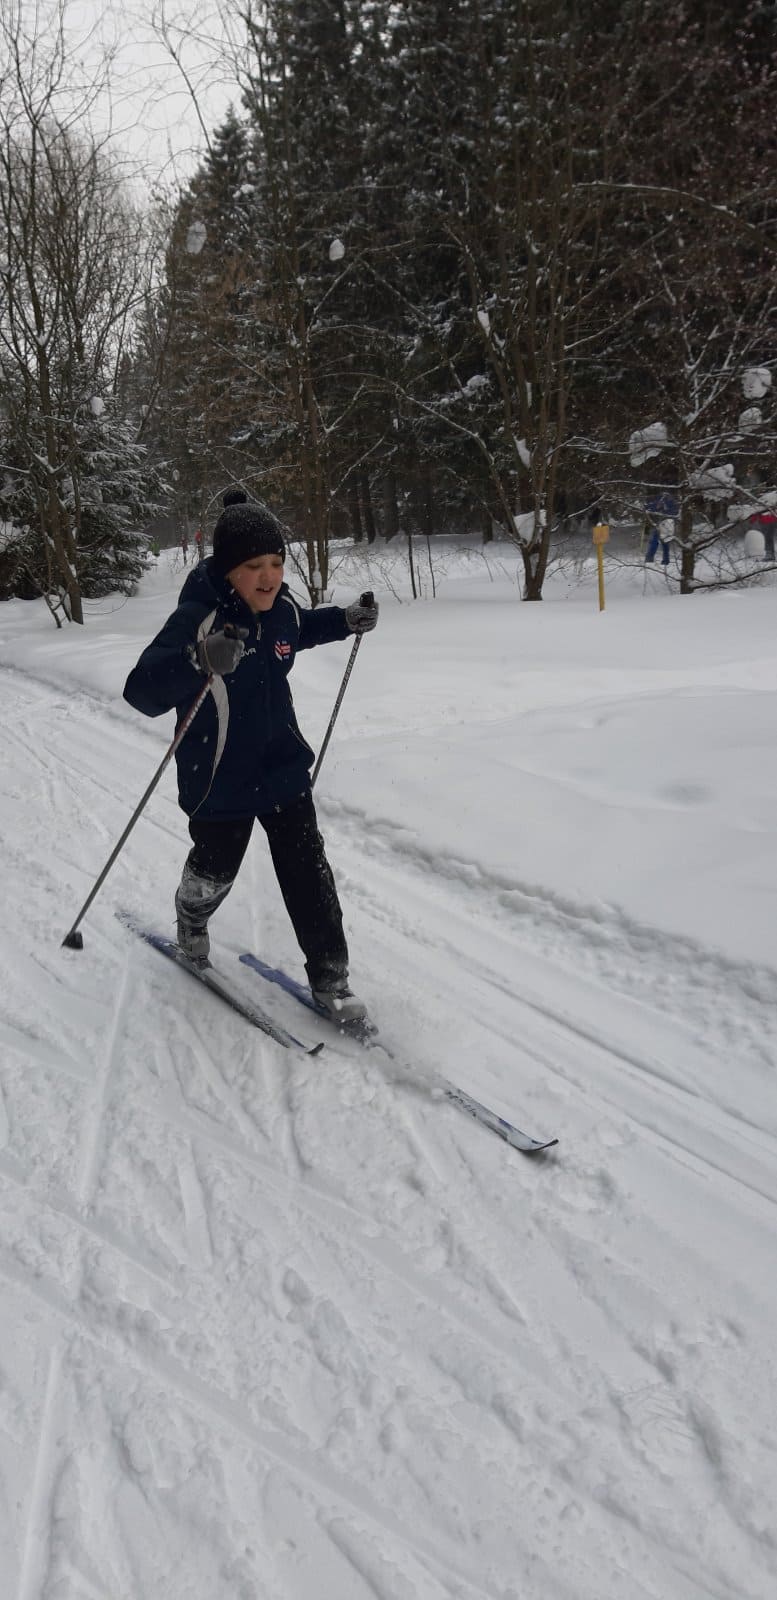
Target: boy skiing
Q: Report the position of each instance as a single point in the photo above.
(244, 758)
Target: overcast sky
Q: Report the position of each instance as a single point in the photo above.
(149, 109)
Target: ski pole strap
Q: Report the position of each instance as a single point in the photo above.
(366, 599)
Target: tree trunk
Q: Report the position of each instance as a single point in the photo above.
(390, 505)
(687, 551)
(367, 508)
(354, 512)
(411, 561)
(535, 561)
(687, 564)
(55, 516)
(428, 501)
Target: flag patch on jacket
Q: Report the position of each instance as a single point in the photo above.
(282, 649)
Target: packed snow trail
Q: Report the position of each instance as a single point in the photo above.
(279, 1327)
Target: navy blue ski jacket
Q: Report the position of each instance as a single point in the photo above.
(244, 753)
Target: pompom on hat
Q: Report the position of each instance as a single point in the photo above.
(244, 530)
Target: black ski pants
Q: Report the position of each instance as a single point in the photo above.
(303, 872)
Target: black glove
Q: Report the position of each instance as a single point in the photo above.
(362, 616)
(221, 652)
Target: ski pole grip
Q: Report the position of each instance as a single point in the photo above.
(366, 599)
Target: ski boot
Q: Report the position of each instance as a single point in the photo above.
(337, 1001)
(192, 939)
(196, 899)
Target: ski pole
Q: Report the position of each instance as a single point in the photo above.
(74, 940)
(364, 600)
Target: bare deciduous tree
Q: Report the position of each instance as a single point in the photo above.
(72, 263)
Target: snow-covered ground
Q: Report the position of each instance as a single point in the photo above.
(286, 1328)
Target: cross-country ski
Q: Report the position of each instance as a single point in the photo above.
(437, 1084)
(216, 984)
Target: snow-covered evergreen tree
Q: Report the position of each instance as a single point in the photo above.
(450, 257)
(201, 335)
(116, 493)
(310, 85)
(699, 195)
(504, 105)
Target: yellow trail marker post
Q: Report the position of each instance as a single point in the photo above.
(601, 535)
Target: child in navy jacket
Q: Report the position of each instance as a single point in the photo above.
(244, 757)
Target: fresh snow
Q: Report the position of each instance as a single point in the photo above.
(275, 1327)
(756, 382)
(196, 235)
(647, 442)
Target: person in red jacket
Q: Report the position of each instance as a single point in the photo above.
(766, 520)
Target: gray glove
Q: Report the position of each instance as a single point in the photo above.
(221, 652)
(362, 616)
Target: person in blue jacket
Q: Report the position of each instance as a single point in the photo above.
(244, 757)
(663, 511)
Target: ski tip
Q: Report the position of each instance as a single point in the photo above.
(315, 1050)
(538, 1146)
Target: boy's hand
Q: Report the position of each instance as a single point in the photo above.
(362, 616)
(221, 652)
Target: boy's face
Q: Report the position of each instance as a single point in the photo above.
(257, 581)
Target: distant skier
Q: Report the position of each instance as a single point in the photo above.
(199, 544)
(185, 547)
(663, 511)
(245, 757)
(766, 523)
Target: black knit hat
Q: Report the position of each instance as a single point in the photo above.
(245, 529)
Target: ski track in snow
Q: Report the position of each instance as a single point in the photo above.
(207, 1241)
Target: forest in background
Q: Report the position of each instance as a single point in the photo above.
(484, 266)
